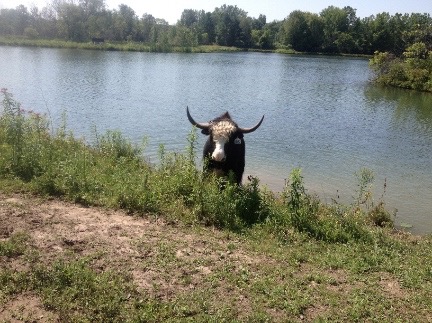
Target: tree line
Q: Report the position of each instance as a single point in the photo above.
(333, 30)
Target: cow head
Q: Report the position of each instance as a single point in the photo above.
(222, 131)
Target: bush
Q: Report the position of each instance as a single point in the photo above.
(327, 223)
(412, 71)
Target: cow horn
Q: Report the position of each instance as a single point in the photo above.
(203, 126)
(248, 130)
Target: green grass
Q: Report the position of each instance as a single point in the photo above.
(15, 246)
(113, 46)
(276, 281)
(284, 257)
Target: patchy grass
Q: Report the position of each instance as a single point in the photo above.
(93, 264)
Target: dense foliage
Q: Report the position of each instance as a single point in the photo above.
(333, 30)
(412, 70)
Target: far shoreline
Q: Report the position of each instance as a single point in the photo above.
(153, 48)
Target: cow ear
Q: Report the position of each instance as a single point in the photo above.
(205, 132)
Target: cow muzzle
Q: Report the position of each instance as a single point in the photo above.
(219, 155)
(219, 151)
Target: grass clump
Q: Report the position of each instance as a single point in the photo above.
(15, 246)
(125, 46)
(330, 223)
(77, 292)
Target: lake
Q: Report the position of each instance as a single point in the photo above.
(321, 114)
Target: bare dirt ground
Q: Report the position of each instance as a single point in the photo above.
(124, 242)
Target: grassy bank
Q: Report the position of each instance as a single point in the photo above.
(242, 253)
(114, 46)
(112, 172)
(147, 47)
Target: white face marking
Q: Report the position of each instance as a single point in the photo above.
(221, 132)
(219, 152)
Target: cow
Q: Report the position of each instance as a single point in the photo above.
(224, 151)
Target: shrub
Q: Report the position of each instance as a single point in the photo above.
(301, 206)
(411, 71)
(327, 223)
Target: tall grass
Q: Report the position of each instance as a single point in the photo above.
(113, 172)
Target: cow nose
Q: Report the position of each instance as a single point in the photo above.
(218, 155)
(219, 151)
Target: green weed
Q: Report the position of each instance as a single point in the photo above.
(14, 246)
(375, 213)
(77, 292)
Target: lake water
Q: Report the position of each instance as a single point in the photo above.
(321, 114)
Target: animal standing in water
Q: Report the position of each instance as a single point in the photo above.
(224, 150)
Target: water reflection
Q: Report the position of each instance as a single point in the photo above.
(407, 102)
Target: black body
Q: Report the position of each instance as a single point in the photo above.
(233, 151)
(234, 161)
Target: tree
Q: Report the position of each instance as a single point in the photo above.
(335, 22)
(296, 32)
(227, 24)
(92, 7)
(22, 19)
(183, 37)
(245, 37)
(99, 25)
(381, 33)
(47, 24)
(72, 22)
(417, 51)
(262, 39)
(206, 28)
(14, 21)
(145, 27)
(124, 23)
(302, 31)
(418, 29)
(316, 27)
(412, 71)
(345, 43)
(259, 23)
(334, 30)
(189, 18)
(6, 22)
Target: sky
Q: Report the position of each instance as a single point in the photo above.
(171, 10)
